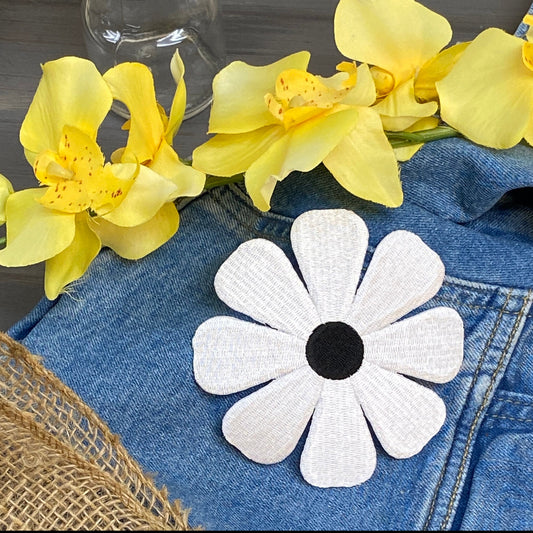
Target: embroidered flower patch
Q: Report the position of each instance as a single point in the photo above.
(335, 351)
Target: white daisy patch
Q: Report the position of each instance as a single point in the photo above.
(333, 350)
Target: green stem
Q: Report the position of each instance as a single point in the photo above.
(216, 181)
(2, 241)
(399, 139)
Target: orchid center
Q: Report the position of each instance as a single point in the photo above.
(527, 55)
(335, 350)
(300, 96)
(76, 176)
(383, 80)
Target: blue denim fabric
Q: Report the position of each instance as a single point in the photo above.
(122, 341)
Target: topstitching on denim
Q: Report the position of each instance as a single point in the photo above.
(457, 474)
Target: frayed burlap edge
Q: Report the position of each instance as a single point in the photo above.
(61, 468)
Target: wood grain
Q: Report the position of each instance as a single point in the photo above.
(257, 31)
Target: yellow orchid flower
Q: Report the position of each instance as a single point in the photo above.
(5, 190)
(488, 95)
(150, 131)
(83, 203)
(400, 39)
(282, 118)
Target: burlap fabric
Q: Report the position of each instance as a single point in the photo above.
(60, 466)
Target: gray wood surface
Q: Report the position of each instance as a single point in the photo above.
(257, 31)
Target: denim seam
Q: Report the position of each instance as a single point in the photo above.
(473, 382)
(481, 408)
(514, 419)
(459, 303)
(516, 402)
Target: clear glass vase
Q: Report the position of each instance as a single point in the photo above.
(149, 31)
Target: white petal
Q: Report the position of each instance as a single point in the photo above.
(403, 414)
(427, 346)
(330, 247)
(266, 425)
(403, 274)
(231, 355)
(339, 450)
(258, 280)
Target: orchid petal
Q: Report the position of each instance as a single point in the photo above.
(364, 92)
(188, 180)
(138, 241)
(177, 109)
(5, 190)
(302, 148)
(435, 70)
(239, 94)
(364, 162)
(231, 355)
(71, 92)
(230, 154)
(397, 35)
(147, 194)
(34, 232)
(70, 264)
(528, 135)
(133, 84)
(266, 425)
(401, 102)
(489, 101)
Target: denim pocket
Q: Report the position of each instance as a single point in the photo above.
(501, 480)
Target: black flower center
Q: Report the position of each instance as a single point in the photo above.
(335, 350)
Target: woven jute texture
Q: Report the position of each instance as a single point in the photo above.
(61, 468)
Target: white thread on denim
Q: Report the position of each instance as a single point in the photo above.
(232, 355)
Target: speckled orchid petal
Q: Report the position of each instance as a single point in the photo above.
(72, 263)
(230, 154)
(147, 194)
(77, 177)
(489, 101)
(133, 84)
(397, 35)
(34, 232)
(364, 162)
(302, 148)
(71, 92)
(5, 190)
(138, 241)
(239, 94)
